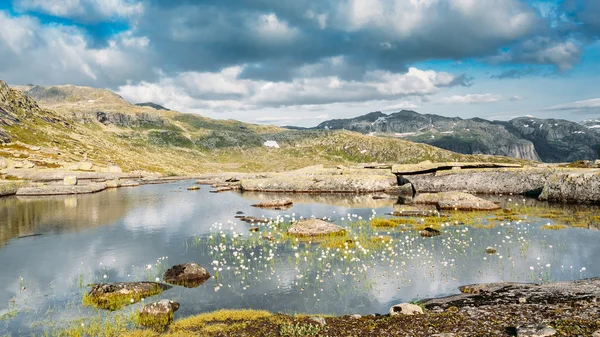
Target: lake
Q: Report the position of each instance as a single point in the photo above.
(135, 234)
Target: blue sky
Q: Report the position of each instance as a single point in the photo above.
(300, 62)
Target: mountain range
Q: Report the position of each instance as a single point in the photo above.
(547, 140)
(62, 127)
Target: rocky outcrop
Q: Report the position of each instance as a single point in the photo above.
(113, 296)
(158, 314)
(455, 201)
(527, 181)
(509, 292)
(60, 189)
(354, 183)
(314, 227)
(430, 167)
(573, 188)
(189, 275)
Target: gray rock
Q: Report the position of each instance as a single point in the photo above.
(535, 331)
(70, 181)
(405, 309)
(573, 188)
(319, 320)
(447, 334)
(189, 275)
(158, 314)
(596, 334)
(314, 227)
(355, 316)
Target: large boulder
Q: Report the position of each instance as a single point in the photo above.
(456, 201)
(573, 188)
(158, 314)
(114, 296)
(85, 166)
(189, 275)
(314, 227)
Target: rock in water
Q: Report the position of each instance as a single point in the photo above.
(405, 309)
(158, 314)
(70, 181)
(535, 331)
(114, 296)
(429, 232)
(490, 250)
(193, 188)
(314, 227)
(456, 201)
(274, 203)
(189, 275)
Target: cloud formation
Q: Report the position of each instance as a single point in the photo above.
(225, 55)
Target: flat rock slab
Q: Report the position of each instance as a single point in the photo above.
(114, 296)
(274, 203)
(315, 227)
(456, 201)
(57, 175)
(299, 183)
(509, 293)
(189, 275)
(429, 167)
(60, 190)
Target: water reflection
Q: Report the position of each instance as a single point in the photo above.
(117, 233)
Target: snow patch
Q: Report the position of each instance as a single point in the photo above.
(271, 143)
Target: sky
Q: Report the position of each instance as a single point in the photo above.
(305, 61)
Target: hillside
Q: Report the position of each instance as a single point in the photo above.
(64, 126)
(548, 140)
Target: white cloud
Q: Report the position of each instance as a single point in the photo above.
(577, 105)
(225, 90)
(58, 54)
(469, 99)
(269, 26)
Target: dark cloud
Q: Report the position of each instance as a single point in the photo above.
(516, 73)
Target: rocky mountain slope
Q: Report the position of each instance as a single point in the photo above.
(64, 126)
(549, 140)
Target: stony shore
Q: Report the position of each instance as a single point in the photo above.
(555, 183)
(498, 309)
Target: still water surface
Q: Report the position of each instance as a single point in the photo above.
(135, 234)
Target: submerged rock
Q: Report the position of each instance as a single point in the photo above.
(456, 201)
(274, 203)
(193, 188)
(405, 309)
(189, 275)
(114, 296)
(429, 232)
(158, 314)
(314, 227)
(490, 250)
(251, 219)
